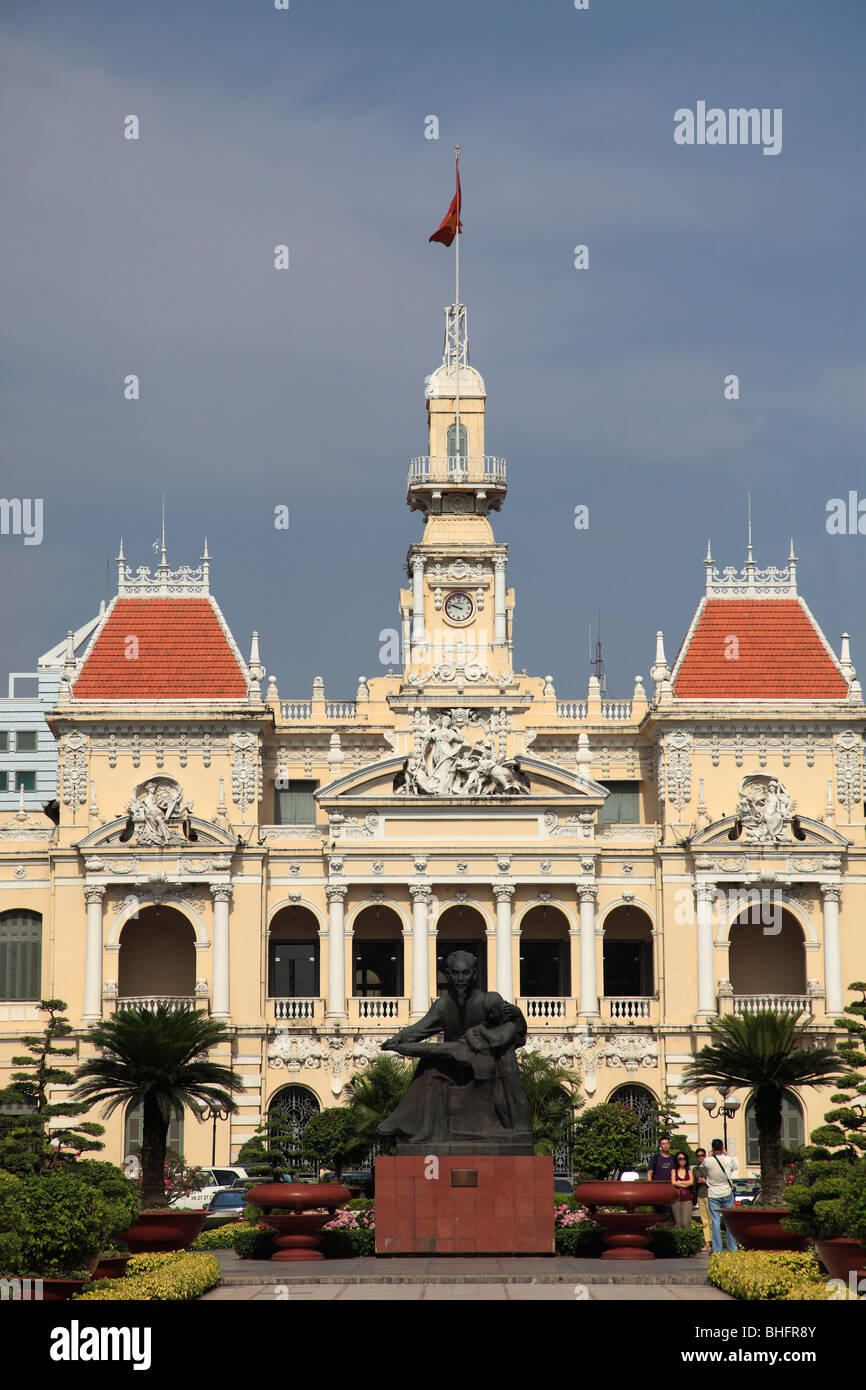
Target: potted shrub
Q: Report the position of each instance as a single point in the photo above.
(121, 1196)
(52, 1228)
(768, 1053)
(157, 1058)
(828, 1199)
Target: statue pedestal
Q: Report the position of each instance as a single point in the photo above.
(467, 1204)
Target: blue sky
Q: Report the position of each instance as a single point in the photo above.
(306, 388)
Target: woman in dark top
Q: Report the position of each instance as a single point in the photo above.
(681, 1177)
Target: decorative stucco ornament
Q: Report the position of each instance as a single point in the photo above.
(765, 809)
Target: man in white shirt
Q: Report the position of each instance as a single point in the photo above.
(718, 1170)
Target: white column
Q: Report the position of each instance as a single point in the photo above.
(832, 948)
(93, 954)
(705, 895)
(336, 1004)
(220, 999)
(588, 984)
(420, 1000)
(503, 893)
(417, 601)
(500, 633)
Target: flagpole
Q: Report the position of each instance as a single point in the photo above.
(457, 313)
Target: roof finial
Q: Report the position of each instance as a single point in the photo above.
(162, 557)
(750, 559)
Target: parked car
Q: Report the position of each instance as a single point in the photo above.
(229, 1201)
(217, 1178)
(361, 1183)
(746, 1191)
(563, 1185)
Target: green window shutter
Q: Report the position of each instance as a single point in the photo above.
(20, 955)
(4, 781)
(25, 741)
(4, 741)
(622, 805)
(27, 780)
(295, 804)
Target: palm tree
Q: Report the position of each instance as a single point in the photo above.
(373, 1094)
(553, 1099)
(158, 1059)
(770, 1054)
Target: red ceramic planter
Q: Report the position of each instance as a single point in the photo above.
(626, 1235)
(293, 1213)
(759, 1228)
(158, 1231)
(840, 1256)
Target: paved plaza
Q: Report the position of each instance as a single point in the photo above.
(488, 1278)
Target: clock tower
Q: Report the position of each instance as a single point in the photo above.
(457, 613)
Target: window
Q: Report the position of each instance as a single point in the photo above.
(378, 972)
(295, 804)
(132, 1137)
(293, 969)
(4, 781)
(628, 969)
(25, 780)
(25, 741)
(4, 741)
(621, 807)
(20, 955)
(793, 1134)
(544, 969)
(455, 452)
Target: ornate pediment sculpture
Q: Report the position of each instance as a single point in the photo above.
(445, 763)
(158, 811)
(765, 810)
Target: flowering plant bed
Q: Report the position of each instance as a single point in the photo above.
(351, 1233)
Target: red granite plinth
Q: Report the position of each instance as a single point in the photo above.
(509, 1212)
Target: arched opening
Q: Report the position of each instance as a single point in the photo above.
(767, 955)
(20, 954)
(458, 448)
(293, 954)
(793, 1129)
(157, 955)
(545, 959)
(377, 953)
(289, 1113)
(643, 1103)
(132, 1131)
(628, 953)
(461, 928)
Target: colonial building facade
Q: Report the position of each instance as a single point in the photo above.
(627, 870)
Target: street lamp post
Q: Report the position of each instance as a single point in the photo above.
(726, 1108)
(210, 1111)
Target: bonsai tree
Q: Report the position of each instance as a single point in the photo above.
(331, 1138)
(823, 1197)
(553, 1099)
(666, 1117)
(157, 1058)
(371, 1096)
(606, 1138)
(29, 1143)
(770, 1054)
(275, 1150)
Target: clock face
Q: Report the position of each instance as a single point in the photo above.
(459, 607)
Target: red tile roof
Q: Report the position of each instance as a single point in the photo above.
(182, 653)
(780, 654)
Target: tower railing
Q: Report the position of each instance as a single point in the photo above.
(456, 469)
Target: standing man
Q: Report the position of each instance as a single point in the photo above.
(718, 1170)
(703, 1201)
(660, 1169)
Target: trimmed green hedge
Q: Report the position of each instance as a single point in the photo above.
(254, 1242)
(769, 1275)
(221, 1237)
(172, 1277)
